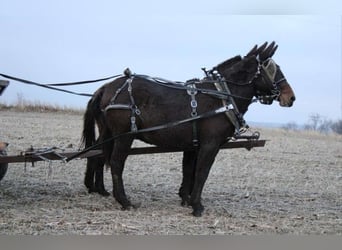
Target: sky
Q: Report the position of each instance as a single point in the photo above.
(65, 41)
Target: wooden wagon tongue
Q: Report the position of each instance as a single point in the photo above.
(50, 154)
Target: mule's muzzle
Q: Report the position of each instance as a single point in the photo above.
(287, 96)
(287, 102)
(292, 99)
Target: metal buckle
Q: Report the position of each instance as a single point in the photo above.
(193, 104)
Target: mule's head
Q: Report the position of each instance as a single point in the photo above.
(270, 82)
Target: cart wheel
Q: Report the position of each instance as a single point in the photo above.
(3, 166)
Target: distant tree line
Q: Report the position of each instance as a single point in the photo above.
(316, 122)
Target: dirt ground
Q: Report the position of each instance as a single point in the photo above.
(293, 185)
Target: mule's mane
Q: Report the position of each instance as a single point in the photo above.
(228, 63)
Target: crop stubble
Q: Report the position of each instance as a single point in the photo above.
(292, 185)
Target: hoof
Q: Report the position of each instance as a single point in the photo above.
(136, 205)
(185, 203)
(126, 205)
(185, 199)
(104, 193)
(131, 205)
(100, 191)
(126, 208)
(197, 213)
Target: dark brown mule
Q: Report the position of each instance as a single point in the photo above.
(115, 103)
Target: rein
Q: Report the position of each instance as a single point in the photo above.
(159, 81)
(184, 86)
(54, 85)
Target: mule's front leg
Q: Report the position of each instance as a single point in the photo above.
(189, 166)
(205, 160)
(117, 162)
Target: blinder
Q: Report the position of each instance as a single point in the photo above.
(270, 69)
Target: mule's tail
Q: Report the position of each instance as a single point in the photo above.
(88, 134)
(90, 118)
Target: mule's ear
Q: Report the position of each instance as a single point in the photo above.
(252, 51)
(263, 55)
(261, 48)
(273, 51)
(3, 145)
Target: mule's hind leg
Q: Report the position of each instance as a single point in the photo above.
(89, 175)
(117, 160)
(99, 183)
(95, 169)
(189, 167)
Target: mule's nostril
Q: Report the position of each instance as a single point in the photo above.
(293, 98)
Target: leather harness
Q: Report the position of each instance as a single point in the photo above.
(229, 106)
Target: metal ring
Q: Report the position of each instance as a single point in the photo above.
(193, 113)
(137, 111)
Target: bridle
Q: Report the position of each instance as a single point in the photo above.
(268, 71)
